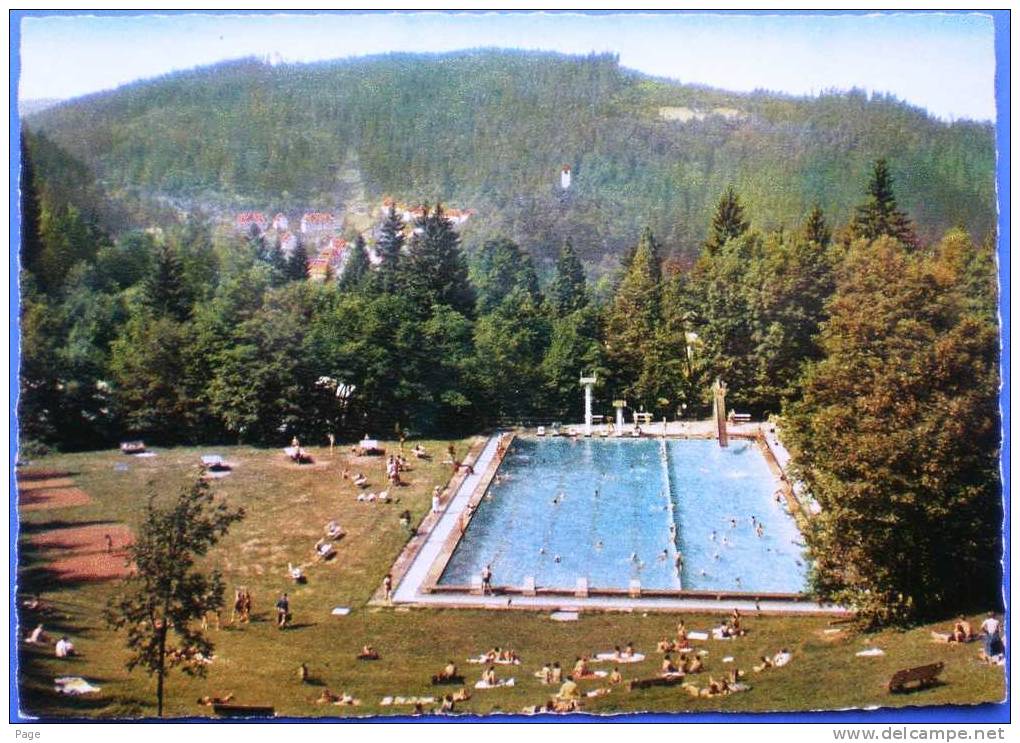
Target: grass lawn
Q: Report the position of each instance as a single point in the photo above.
(288, 505)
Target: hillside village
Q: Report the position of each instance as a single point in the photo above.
(322, 234)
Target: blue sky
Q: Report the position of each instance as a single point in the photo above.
(943, 62)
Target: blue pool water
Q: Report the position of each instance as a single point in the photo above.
(560, 509)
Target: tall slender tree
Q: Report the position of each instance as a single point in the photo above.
(728, 222)
(297, 262)
(880, 215)
(816, 230)
(167, 594)
(435, 271)
(500, 268)
(390, 248)
(633, 317)
(357, 266)
(165, 292)
(568, 291)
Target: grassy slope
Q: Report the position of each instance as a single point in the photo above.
(287, 507)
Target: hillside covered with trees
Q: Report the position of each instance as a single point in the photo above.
(853, 296)
(490, 130)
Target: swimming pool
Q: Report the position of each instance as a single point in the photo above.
(613, 510)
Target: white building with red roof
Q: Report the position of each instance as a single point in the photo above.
(244, 221)
(330, 261)
(316, 223)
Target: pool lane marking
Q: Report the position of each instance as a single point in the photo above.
(668, 481)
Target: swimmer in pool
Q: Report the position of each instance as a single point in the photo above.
(733, 523)
(598, 545)
(556, 559)
(715, 556)
(713, 535)
(541, 550)
(760, 531)
(663, 555)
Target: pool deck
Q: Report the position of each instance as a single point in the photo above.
(419, 566)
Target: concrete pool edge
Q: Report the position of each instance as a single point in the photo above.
(423, 560)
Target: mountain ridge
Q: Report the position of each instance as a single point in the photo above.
(490, 129)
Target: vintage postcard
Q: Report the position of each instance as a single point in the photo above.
(501, 364)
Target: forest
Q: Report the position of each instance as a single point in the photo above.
(877, 348)
(490, 130)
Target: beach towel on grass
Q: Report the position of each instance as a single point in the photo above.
(871, 652)
(73, 686)
(481, 659)
(697, 635)
(499, 683)
(636, 658)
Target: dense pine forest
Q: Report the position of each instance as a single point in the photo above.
(490, 130)
(803, 278)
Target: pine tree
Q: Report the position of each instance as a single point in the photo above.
(568, 290)
(879, 215)
(31, 243)
(500, 268)
(815, 228)
(278, 264)
(434, 271)
(633, 317)
(297, 263)
(357, 266)
(389, 248)
(165, 292)
(728, 222)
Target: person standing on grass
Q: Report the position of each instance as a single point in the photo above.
(388, 587)
(282, 611)
(991, 628)
(487, 579)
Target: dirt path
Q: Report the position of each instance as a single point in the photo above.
(82, 552)
(42, 490)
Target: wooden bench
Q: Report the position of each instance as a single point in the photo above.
(740, 417)
(918, 677)
(654, 681)
(243, 710)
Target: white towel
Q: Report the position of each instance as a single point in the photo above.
(871, 652)
(341, 611)
(499, 683)
(636, 658)
(564, 616)
(73, 686)
(697, 635)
